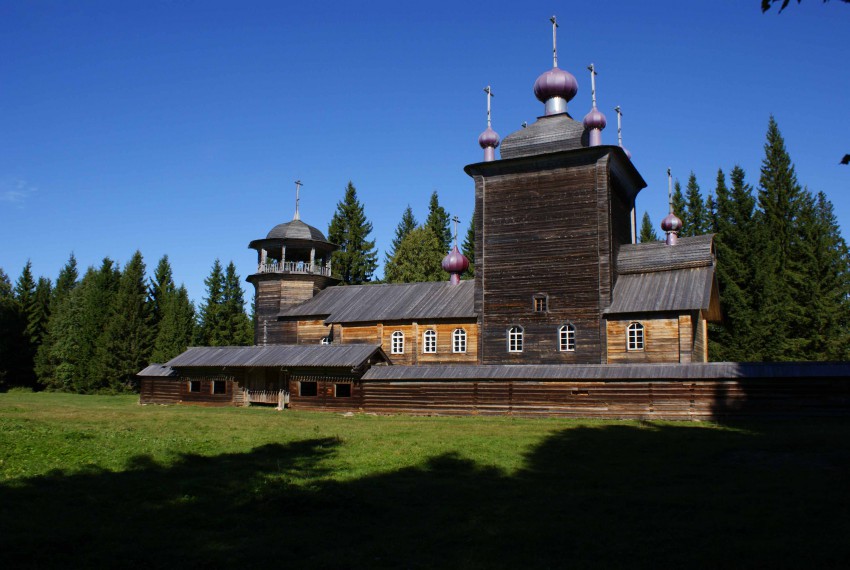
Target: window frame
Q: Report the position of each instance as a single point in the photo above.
(336, 390)
(193, 383)
(397, 342)
(214, 384)
(635, 337)
(429, 342)
(516, 338)
(541, 298)
(459, 341)
(301, 393)
(567, 337)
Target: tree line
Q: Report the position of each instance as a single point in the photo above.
(93, 334)
(783, 267)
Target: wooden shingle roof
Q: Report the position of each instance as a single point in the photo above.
(287, 355)
(389, 302)
(793, 371)
(697, 251)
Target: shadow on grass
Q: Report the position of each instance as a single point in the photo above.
(611, 496)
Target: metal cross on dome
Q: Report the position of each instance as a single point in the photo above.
(489, 93)
(456, 220)
(554, 21)
(298, 185)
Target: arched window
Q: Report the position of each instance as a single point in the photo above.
(515, 339)
(567, 338)
(325, 340)
(429, 341)
(634, 337)
(459, 340)
(397, 346)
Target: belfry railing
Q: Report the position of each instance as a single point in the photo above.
(294, 267)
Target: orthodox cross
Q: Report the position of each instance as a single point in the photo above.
(554, 21)
(298, 185)
(456, 220)
(592, 70)
(670, 190)
(489, 95)
(619, 125)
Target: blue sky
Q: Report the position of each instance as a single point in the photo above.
(179, 127)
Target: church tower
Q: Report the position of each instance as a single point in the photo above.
(293, 264)
(550, 217)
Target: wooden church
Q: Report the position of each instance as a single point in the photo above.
(567, 313)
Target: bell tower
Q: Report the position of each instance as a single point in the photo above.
(293, 264)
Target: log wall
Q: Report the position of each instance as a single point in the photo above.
(671, 400)
(661, 340)
(549, 226)
(163, 390)
(326, 398)
(381, 333)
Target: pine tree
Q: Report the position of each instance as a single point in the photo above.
(356, 258)
(647, 232)
(176, 328)
(407, 224)
(779, 274)
(238, 330)
(418, 258)
(711, 205)
(694, 220)
(468, 248)
(680, 207)
(125, 346)
(24, 355)
(97, 302)
(211, 326)
(65, 284)
(438, 222)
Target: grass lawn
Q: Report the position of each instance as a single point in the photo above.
(94, 481)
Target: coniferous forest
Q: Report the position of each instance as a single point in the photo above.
(783, 270)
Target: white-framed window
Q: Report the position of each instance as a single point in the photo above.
(397, 344)
(429, 341)
(515, 339)
(567, 338)
(459, 340)
(541, 303)
(325, 340)
(634, 336)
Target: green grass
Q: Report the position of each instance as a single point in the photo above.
(99, 481)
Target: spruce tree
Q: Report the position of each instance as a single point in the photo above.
(97, 302)
(126, 344)
(826, 287)
(176, 328)
(780, 270)
(647, 232)
(33, 310)
(468, 248)
(11, 332)
(356, 259)
(211, 326)
(65, 283)
(736, 338)
(679, 205)
(405, 226)
(438, 222)
(238, 330)
(162, 285)
(694, 220)
(417, 258)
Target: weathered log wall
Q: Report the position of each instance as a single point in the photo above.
(164, 390)
(671, 400)
(381, 333)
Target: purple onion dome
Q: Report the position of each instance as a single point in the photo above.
(455, 262)
(555, 83)
(489, 138)
(671, 223)
(595, 120)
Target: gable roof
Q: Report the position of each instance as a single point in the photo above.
(289, 355)
(389, 302)
(157, 370)
(656, 277)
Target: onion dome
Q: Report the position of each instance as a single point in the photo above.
(455, 263)
(489, 139)
(555, 83)
(595, 120)
(671, 223)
